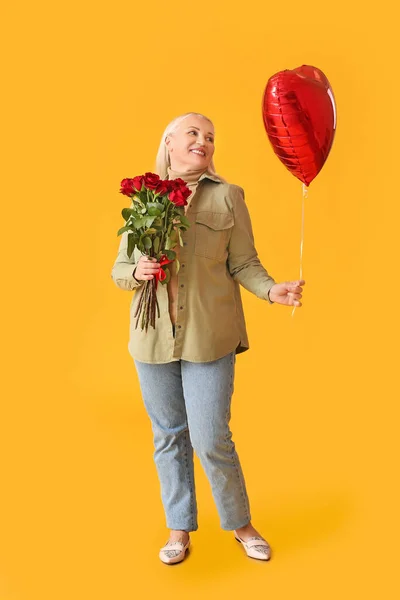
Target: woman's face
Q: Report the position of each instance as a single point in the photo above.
(191, 146)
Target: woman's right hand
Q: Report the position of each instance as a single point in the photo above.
(146, 268)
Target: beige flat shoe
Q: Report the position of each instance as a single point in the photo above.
(174, 552)
(256, 547)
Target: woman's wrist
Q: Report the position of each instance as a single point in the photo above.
(133, 275)
(268, 296)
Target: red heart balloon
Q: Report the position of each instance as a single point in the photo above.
(299, 114)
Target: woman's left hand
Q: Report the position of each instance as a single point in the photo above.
(288, 292)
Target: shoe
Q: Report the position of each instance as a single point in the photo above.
(174, 552)
(256, 547)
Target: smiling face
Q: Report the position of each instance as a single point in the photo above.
(191, 146)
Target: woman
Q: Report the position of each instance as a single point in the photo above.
(186, 364)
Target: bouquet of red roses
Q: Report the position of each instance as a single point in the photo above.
(155, 221)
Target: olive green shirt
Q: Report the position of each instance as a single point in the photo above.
(217, 255)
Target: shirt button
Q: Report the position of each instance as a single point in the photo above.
(183, 264)
(179, 326)
(182, 285)
(185, 243)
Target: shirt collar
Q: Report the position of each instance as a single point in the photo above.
(210, 176)
(205, 175)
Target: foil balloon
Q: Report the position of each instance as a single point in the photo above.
(299, 114)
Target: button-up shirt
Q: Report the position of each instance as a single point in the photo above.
(218, 255)
(192, 182)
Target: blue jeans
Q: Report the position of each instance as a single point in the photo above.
(189, 405)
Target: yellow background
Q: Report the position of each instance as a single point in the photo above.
(89, 89)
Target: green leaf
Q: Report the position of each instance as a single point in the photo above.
(147, 243)
(178, 265)
(142, 196)
(170, 254)
(154, 212)
(138, 223)
(150, 231)
(156, 244)
(127, 212)
(131, 244)
(169, 243)
(125, 228)
(168, 276)
(155, 206)
(180, 237)
(149, 221)
(185, 220)
(174, 236)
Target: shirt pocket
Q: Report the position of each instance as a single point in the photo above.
(212, 234)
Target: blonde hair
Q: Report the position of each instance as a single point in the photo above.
(163, 160)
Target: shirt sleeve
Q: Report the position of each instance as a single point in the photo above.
(243, 262)
(124, 267)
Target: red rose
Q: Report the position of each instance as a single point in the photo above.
(178, 183)
(178, 197)
(171, 184)
(185, 190)
(130, 186)
(151, 180)
(163, 187)
(138, 182)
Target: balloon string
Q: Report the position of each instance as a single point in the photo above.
(305, 195)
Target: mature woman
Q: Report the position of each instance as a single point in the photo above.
(186, 364)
